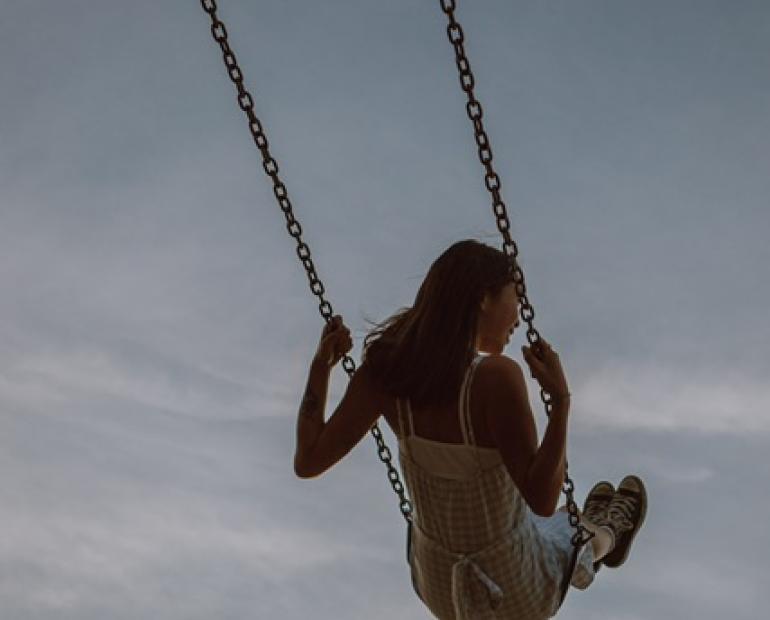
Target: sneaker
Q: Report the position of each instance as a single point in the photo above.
(595, 507)
(599, 497)
(625, 515)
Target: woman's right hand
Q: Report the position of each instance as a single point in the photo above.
(545, 368)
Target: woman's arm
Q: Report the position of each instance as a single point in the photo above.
(310, 421)
(537, 471)
(546, 472)
(321, 444)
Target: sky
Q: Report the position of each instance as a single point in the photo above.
(156, 326)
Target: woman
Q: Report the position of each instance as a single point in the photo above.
(487, 539)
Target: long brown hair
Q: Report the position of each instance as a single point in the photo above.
(422, 352)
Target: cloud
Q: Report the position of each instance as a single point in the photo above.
(711, 585)
(634, 395)
(112, 508)
(674, 474)
(76, 561)
(57, 377)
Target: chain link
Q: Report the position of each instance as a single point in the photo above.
(270, 166)
(492, 182)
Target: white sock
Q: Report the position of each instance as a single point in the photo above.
(611, 532)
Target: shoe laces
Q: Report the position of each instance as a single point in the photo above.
(620, 512)
(596, 509)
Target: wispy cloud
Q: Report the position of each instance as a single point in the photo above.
(174, 386)
(705, 585)
(631, 395)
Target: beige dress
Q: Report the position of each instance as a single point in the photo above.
(477, 551)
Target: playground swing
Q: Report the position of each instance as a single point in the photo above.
(493, 184)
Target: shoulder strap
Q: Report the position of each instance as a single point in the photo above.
(463, 406)
(467, 426)
(409, 416)
(399, 408)
(403, 444)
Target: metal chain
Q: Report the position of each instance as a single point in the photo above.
(246, 103)
(493, 184)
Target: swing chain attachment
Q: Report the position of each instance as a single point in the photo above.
(493, 184)
(270, 166)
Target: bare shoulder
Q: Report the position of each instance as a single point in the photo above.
(502, 389)
(498, 372)
(498, 360)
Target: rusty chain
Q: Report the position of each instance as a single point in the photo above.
(270, 166)
(492, 182)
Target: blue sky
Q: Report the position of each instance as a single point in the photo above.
(156, 326)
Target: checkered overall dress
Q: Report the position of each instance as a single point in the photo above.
(477, 552)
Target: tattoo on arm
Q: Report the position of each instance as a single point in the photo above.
(309, 407)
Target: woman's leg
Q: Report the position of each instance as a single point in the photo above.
(602, 542)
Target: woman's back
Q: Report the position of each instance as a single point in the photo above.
(443, 424)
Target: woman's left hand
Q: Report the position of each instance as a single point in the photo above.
(335, 342)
